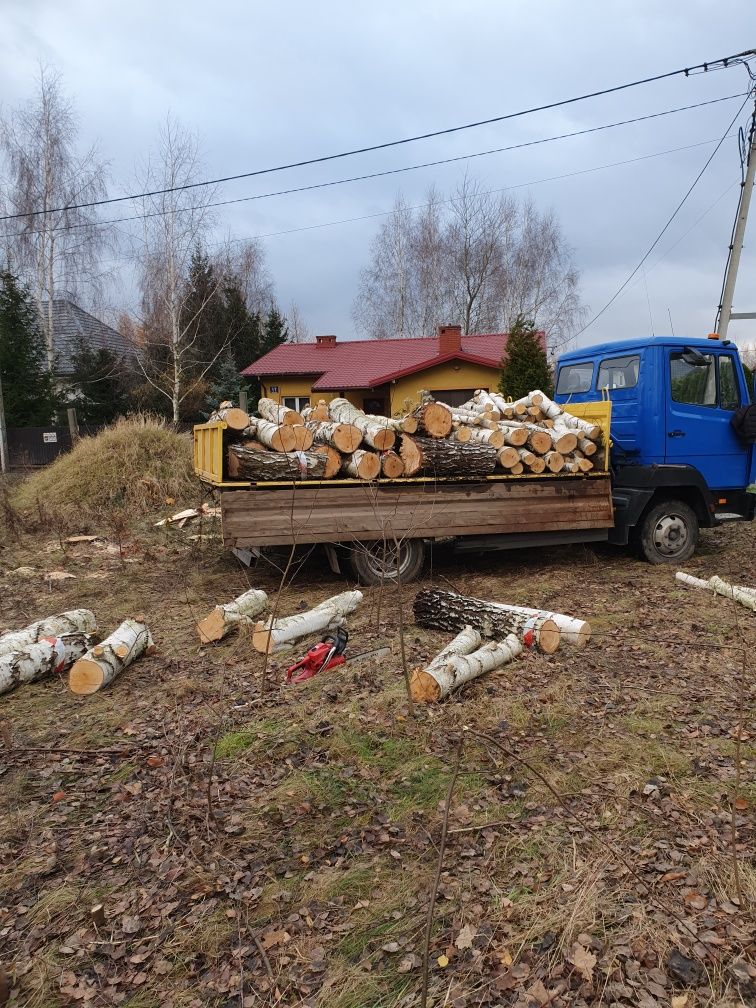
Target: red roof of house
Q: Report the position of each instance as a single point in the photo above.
(368, 363)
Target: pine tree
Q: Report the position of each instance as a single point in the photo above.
(28, 390)
(524, 366)
(202, 313)
(227, 384)
(243, 328)
(100, 386)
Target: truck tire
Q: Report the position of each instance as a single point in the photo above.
(374, 563)
(668, 533)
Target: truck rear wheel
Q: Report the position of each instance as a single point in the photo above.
(375, 563)
(668, 533)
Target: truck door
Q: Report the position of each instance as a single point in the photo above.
(703, 391)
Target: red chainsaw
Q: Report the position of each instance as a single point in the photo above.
(328, 654)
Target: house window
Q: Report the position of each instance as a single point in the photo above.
(375, 406)
(297, 403)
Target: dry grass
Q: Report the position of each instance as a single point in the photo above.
(135, 464)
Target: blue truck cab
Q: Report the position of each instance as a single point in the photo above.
(677, 463)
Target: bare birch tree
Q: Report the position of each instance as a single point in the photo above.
(478, 259)
(174, 225)
(57, 249)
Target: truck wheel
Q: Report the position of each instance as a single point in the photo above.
(668, 533)
(375, 563)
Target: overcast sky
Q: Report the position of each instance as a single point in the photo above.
(264, 83)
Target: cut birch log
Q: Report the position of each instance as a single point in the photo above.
(434, 419)
(509, 457)
(270, 410)
(513, 435)
(517, 469)
(462, 432)
(526, 457)
(279, 438)
(554, 461)
(365, 465)
(565, 440)
(104, 662)
(538, 465)
(448, 611)
(265, 466)
(495, 438)
(41, 658)
(739, 593)
(304, 438)
(268, 635)
(423, 686)
(332, 457)
(392, 466)
(224, 618)
(343, 437)
(444, 457)
(438, 681)
(693, 582)
(375, 432)
(588, 429)
(465, 417)
(233, 417)
(71, 621)
(586, 446)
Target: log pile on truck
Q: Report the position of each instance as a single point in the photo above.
(487, 435)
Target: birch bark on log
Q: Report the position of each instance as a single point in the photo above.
(224, 618)
(270, 634)
(495, 438)
(438, 681)
(364, 465)
(233, 417)
(41, 658)
(739, 593)
(693, 582)
(270, 410)
(423, 686)
(590, 430)
(571, 631)
(440, 610)
(586, 446)
(71, 621)
(104, 662)
(266, 466)
(554, 461)
(439, 457)
(280, 439)
(343, 437)
(375, 432)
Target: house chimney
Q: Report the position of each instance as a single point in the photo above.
(449, 339)
(325, 340)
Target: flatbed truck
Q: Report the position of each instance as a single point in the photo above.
(673, 464)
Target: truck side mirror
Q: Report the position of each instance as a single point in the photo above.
(693, 358)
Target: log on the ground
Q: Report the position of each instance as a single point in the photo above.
(280, 438)
(442, 457)
(263, 466)
(571, 631)
(365, 465)
(233, 417)
(270, 410)
(224, 618)
(41, 658)
(443, 610)
(104, 662)
(434, 419)
(269, 634)
(341, 436)
(439, 679)
(738, 593)
(392, 466)
(376, 432)
(71, 621)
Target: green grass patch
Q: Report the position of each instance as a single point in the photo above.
(233, 743)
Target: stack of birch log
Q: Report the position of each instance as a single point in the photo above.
(488, 434)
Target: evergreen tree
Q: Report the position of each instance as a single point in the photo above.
(525, 366)
(28, 389)
(202, 312)
(275, 332)
(243, 328)
(227, 384)
(100, 383)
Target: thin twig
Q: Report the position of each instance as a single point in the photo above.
(437, 878)
(264, 957)
(400, 596)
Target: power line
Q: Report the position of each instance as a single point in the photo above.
(717, 64)
(488, 192)
(375, 175)
(674, 214)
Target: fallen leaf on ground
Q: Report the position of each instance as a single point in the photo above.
(442, 961)
(583, 960)
(465, 937)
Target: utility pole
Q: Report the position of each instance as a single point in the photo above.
(725, 314)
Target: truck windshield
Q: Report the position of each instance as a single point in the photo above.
(574, 378)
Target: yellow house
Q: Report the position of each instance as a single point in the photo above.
(384, 377)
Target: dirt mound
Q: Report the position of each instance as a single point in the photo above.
(137, 463)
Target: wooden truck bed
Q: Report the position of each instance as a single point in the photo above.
(276, 515)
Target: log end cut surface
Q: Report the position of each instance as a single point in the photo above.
(549, 636)
(85, 677)
(235, 418)
(262, 639)
(423, 687)
(211, 627)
